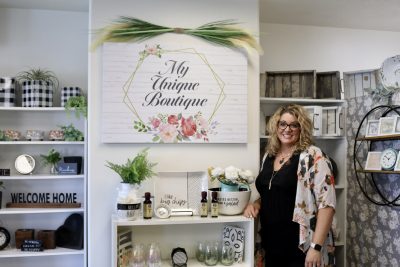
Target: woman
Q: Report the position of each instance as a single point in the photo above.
(296, 186)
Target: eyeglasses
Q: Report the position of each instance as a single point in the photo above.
(293, 126)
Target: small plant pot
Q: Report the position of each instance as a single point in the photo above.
(128, 202)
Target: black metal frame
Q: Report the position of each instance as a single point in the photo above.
(371, 177)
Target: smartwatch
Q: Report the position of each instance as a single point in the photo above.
(317, 247)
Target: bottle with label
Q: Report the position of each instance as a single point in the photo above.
(147, 209)
(203, 204)
(214, 205)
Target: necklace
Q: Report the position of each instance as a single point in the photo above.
(284, 156)
(272, 178)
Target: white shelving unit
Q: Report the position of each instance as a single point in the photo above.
(183, 232)
(334, 146)
(40, 181)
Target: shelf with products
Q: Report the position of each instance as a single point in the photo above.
(188, 229)
(378, 135)
(41, 181)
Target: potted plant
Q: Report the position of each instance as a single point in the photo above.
(37, 87)
(1, 193)
(71, 133)
(52, 158)
(234, 188)
(132, 174)
(77, 103)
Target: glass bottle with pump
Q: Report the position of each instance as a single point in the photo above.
(147, 209)
(214, 205)
(203, 204)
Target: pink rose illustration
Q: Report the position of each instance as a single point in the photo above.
(188, 126)
(173, 119)
(155, 122)
(168, 133)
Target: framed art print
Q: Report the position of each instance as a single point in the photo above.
(372, 128)
(373, 161)
(397, 128)
(387, 125)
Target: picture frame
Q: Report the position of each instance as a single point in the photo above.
(372, 128)
(387, 125)
(397, 166)
(373, 161)
(397, 128)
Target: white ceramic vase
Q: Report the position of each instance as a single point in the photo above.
(128, 202)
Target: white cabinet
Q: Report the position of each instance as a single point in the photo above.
(334, 146)
(40, 181)
(183, 232)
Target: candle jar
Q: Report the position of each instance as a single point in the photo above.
(211, 257)
(200, 251)
(227, 255)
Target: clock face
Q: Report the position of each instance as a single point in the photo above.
(388, 159)
(4, 238)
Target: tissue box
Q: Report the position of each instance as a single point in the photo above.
(68, 92)
(7, 92)
(37, 94)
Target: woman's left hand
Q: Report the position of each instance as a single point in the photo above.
(313, 258)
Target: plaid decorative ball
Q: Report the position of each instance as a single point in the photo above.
(37, 94)
(7, 92)
(68, 92)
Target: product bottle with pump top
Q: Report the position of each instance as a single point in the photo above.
(147, 207)
(203, 204)
(214, 205)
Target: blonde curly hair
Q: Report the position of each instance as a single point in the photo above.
(305, 139)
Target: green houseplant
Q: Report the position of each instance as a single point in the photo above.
(135, 170)
(78, 104)
(71, 133)
(52, 158)
(132, 173)
(38, 74)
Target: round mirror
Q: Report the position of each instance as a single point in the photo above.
(24, 164)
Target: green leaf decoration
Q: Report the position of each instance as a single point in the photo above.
(223, 32)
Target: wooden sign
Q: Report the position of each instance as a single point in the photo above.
(168, 93)
(43, 205)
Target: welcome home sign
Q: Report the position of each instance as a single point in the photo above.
(167, 93)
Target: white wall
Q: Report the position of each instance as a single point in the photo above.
(45, 39)
(295, 47)
(170, 157)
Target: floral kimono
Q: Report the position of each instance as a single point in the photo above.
(315, 190)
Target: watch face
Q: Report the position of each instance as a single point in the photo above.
(388, 159)
(4, 238)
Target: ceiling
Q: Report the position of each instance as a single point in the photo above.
(381, 15)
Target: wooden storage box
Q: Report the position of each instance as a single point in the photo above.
(315, 113)
(37, 94)
(7, 92)
(356, 81)
(329, 85)
(298, 84)
(332, 121)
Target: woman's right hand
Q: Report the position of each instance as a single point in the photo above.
(252, 209)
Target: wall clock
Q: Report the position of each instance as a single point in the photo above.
(25, 164)
(388, 159)
(4, 238)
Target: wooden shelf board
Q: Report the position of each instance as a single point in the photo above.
(17, 253)
(41, 143)
(5, 211)
(380, 138)
(378, 171)
(183, 220)
(282, 100)
(41, 177)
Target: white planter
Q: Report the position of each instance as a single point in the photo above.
(128, 202)
(231, 203)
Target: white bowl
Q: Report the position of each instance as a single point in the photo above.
(231, 203)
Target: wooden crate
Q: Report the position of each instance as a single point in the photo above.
(356, 81)
(299, 84)
(329, 85)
